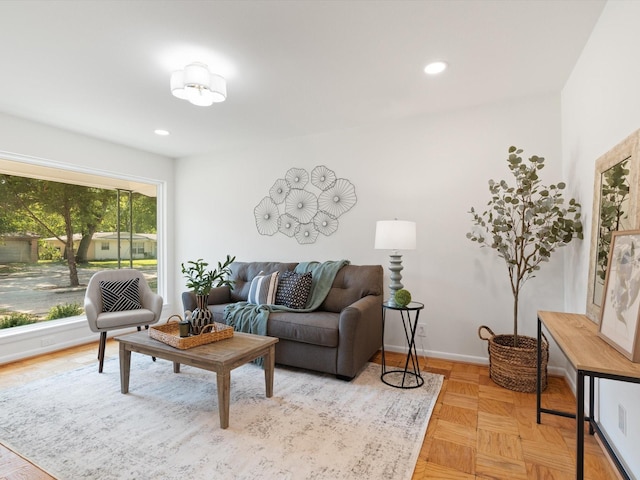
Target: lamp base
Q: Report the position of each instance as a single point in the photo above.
(395, 266)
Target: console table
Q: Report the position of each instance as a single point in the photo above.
(592, 357)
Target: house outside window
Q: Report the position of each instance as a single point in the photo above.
(104, 246)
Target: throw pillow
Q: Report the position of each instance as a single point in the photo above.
(293, 289)
(120, 295)
(262, 290)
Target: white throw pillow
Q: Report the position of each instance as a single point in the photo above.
(263, 289)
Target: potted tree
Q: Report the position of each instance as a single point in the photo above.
(525, 224)
(200, 281)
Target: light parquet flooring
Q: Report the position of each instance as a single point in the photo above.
(478, 430)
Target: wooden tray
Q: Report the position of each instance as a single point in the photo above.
(169, 333)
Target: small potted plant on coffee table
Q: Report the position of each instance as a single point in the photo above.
(200, 281)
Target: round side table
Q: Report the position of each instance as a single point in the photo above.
(410, 376)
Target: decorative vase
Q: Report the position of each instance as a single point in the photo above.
(201, 315)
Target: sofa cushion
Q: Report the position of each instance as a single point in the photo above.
(121, 319)
(352, 283)
(316, 328)
(293, 289)
(262, 290)
(118, 296)
(218, 312)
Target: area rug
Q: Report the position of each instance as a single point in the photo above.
(78, 425)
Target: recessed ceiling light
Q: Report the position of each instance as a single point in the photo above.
(161, 132)
(435, 67)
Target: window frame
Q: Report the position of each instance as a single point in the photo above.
(24, 165)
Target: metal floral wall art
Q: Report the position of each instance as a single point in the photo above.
(304, 206)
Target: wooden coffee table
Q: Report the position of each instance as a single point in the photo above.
(220, 357)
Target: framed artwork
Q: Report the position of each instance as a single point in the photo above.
(616, 206)
(621, 301)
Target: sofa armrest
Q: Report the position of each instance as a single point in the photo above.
(217, 295)
(365, 312)
(360, 327)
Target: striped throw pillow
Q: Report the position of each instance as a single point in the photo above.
(119, 296)
(263, 289)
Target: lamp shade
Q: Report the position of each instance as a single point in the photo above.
(395, 235)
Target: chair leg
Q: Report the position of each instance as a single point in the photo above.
(101, 348)
(146, 327)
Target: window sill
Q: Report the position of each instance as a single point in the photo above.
(18, 343)
(41, 327)
(25, 341)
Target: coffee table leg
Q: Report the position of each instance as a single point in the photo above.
(224, 387)
(125, 368)
(269, 367)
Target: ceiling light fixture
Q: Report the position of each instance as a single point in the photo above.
(198, 85)
(161, 132)
(435, 67)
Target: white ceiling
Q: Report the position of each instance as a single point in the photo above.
(294, 68)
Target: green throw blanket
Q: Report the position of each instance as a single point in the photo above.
(251, 318)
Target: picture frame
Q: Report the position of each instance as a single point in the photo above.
(620, 313)
(616, 206)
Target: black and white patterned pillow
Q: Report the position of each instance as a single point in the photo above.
(120, 295)
(293, 289)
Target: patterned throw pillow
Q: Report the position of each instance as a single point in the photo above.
(119, 296)
(293, 289)
(262, 290)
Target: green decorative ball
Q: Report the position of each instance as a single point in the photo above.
(402, 298)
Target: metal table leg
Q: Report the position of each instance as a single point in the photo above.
(580, 426)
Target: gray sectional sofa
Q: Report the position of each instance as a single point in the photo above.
(339, 337)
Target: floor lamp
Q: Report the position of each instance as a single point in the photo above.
(395, 235)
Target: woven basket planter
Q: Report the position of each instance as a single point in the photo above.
(512, 367)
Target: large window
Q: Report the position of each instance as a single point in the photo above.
(59, 227)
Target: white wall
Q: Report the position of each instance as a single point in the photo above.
(600, 108)
(427, 169)
(40, 143)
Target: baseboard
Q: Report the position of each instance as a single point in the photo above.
(454, 357)
(443, 355)
(19, 343)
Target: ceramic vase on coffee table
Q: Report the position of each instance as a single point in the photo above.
(201, 315)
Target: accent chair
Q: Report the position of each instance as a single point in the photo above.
(117, 299)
